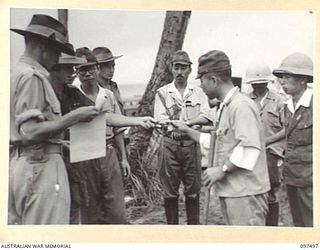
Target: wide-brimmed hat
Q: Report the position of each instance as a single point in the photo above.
(86, 54)
(66, 59)
(181, 57)
(213, 61)
(103, 55)
(49, 28)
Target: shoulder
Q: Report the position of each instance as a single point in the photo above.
(164, 89)
(241, 101)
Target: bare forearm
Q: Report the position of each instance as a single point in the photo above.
(121, 120)
(276, 137)
(200, 120)
(38, 131)
(119, 139)
(193, 134)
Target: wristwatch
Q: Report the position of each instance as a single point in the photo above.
(225, 169)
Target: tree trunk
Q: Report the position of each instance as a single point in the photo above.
(63, 18)
(173, 34)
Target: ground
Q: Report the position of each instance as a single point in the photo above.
(154, 214)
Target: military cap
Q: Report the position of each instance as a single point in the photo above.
(213, 61)
(181, 57)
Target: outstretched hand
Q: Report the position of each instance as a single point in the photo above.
(147, 122)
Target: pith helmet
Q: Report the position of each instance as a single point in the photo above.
(295, 64)
(258, 72)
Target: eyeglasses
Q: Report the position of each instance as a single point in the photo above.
(83, 72)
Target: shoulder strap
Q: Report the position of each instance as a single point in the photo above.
(164, 104)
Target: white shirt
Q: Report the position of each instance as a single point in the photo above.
(304, 101)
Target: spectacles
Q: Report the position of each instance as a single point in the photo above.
(83, 72)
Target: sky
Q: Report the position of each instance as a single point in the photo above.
(245, 36)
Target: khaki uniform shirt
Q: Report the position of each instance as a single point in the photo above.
(193, 103)
(271, 112)
(31, 96)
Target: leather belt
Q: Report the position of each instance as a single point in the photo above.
(47, 149)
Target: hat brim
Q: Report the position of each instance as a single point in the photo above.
(86, 64)
(182, 62)
(109, 59)
(64, 48)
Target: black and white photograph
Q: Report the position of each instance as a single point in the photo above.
(161, 117)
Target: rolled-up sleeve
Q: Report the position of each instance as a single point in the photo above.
(204, 142)
(29, 99)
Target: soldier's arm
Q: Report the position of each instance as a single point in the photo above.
(276, 137)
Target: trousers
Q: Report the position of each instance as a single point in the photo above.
(38, 190)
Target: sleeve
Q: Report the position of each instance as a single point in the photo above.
(29, 99)
(205, 110)
(159, 110)
(204, 142)
(245, 157)
(245, 123)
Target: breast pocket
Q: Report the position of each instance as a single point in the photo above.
(192, 109)
(304, 133)
(274, 119)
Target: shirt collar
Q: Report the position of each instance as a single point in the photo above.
(172, 89)
(229, 95)
(33, 63)
(305, 100)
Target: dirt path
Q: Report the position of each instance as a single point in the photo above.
(154, 214)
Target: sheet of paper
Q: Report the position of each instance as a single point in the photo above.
(87, 140)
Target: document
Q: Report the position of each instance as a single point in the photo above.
(87, 139)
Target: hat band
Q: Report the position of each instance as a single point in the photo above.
(105, 57)
(46, 31)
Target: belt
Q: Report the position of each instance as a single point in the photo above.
(47, 148)
(182, 143)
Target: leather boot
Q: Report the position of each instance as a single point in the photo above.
(171, 209)
(273, 214)
(193, 210)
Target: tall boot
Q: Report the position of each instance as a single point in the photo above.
(171, 209)
(273, 214)
(193, 210)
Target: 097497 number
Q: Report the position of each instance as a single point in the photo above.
(309, 245)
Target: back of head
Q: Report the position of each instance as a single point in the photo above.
(215, 62)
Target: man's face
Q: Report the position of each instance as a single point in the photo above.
(50, 56)
(208, 86)
(66, 73)
(292, 84)
(87, 74)
(107, 70)
(259, 86)
(181, 72)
